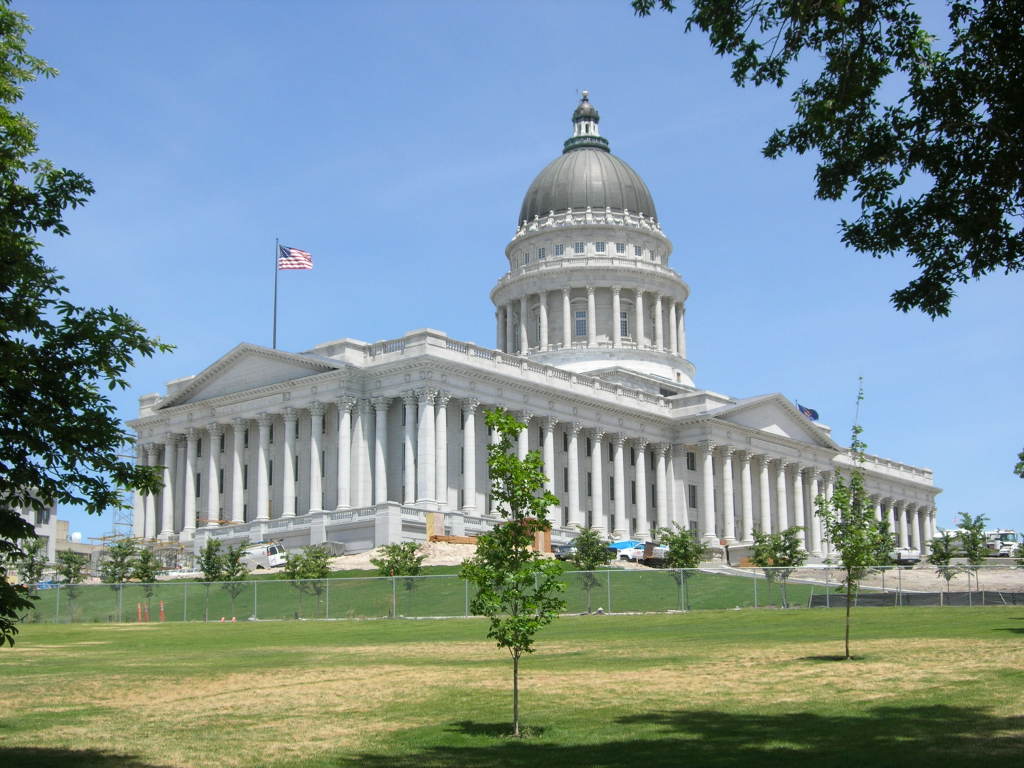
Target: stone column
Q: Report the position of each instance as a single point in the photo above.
(922, 526)
(576, 517)
(659, 325)
(543, 297)
(523, 440)
(469, 407)
(380, 450)
(764, 488)
(566, 319)
(499, 342)
(707, 451)
(364, 420)
(620, 525)
(643, 522)
(316, 431)
(591, 317)
(878, 507)
(660, 485)
(798, 503)
(901, 523)
(933, 513)
(238, 427)
(189, 524)
(167, 507)
(441, 446)
(816, 482)
(746, 499)
(425, 478)
(213, 489)
(548, 425)
(597, 481)
(262, 477)
(890, 515)
(728, 502)
(782, 511)
(149, 502)
(682, 331)
(524, 334)
(510, 330)
(673, 333)
(638, 310)
(288, 497)
(138, 502)
(345, 404)
(616, 317)
(826, 542)
(409, 443)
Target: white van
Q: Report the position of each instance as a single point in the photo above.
(263, 554)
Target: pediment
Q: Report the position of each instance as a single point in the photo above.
(775, 415)
(246, 367)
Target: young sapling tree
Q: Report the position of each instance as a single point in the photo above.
(685, 552)
(590, 552)
(779, 554)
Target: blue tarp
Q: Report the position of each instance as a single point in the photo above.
(629, 544)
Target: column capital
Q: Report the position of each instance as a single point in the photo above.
(616, 290)
(550, 422)
(728, 451)
(215, 429)
(619, 439)
(345, 402)
(240, 422)
(191, 434)
(744, 458)
(707, 447)
(660, 449)
(316, 408)
(364, 405)
(575, 427)
(290, 415)
(525, 417)
(410, 398)
(597, 433)
(151, 451)
(590, 290)
(264, 419)
(469, 405)
(426, 396)
(381, 403)
(442, 399)
(566, 292)
(641, 443)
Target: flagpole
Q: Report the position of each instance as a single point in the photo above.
(277, 248)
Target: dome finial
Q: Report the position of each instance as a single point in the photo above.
(584, 126)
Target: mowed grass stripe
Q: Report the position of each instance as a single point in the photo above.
(708, 688)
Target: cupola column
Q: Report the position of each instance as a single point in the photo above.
(499, 341)
(616, 317)
(524, 339)
(659, 328)
(591, 318)
(566, 320)
(641, 340)
(682, 331)
(543, 296)
(673, 329)
(510, 332)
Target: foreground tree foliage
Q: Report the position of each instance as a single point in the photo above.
(849, 522)
(61, 438)
(685, 552)
(517, 589)
(926, 136)
(118, 562)
(307, 570)
(779, 554)
(402, 559)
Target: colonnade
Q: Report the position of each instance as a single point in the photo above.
(623, 485)
(666, 331)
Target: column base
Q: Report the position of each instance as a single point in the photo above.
(710, 539)
(729, 541)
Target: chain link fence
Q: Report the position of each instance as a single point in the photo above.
(446, 596)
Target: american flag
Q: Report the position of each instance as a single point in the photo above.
(293, 258)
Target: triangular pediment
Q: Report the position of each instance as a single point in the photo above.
(775, 415)
(246, 367)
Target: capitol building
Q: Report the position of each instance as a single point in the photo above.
(374, 443)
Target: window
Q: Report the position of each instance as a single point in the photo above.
(245, 476)
(199, 479)
(632, 457)
(462, 461)
(654, 497)
(632, 491)
(638, 251)
(296, 468)
(581, 323)
(590, 447)
(620, 248)
(245, 437)
(404, 409)
(271, 433)
(652, 459)
(323, 426)
(691, 461)
(462, 421)
(565, 479)
(199, 447)
(578, 247)
(599, 247)
(590, 484)
(611, 455)
(526, 258)
(691, 496)
(220, 481)
(270, 472)
(222, 442)
(559, 250)
(654, 256)
(323, 467)
(565, 442)
(611, 488)
(541, 254)
(624, 324)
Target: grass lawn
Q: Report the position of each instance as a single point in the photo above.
(930, 687)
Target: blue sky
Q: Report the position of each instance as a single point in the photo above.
(395, 141)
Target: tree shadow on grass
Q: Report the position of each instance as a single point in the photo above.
(953, 737)
(497, 730)
(41, 757)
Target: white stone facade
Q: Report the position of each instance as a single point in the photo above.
(358, 442)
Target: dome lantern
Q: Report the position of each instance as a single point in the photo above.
(584, 128)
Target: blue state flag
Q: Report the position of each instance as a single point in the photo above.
(810, 413)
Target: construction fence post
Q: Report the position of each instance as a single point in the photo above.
(753, 575)
(608, 581)
(466, 584)
(255, 608)
(394, 598)
(184, 610)
(327, 598)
